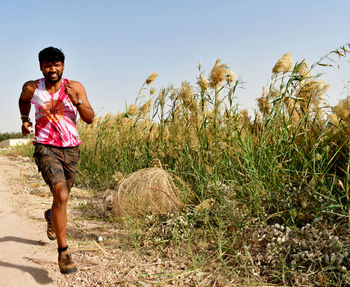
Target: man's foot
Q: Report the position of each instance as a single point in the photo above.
(65, 262)
(50, 231)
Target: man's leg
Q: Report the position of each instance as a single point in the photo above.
(59, 212)
(50, 161)
(59, 221)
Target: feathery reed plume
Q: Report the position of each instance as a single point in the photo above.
(245, 116)
(217, 74)
(284, 64)
(151, 78)
(303, 70)
(263, 103)
(342, 110)
(125, 123)
(146, 108)
(173, 94)
(203, 82)
(185, 92)
(274, 93)
(146, 124)
(152, 90)
(161, 96)
(133, 110)
(333, 119)
(311, 93)
(230, 76)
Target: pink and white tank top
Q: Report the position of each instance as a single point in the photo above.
(55, 117)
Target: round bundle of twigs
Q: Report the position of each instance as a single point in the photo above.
(149, 190)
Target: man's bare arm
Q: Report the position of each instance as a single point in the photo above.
(75, 91)
(25, 105)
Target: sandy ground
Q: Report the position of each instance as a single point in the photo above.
(23, 245)
(29, 258)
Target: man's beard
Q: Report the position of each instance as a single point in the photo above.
(53, 81)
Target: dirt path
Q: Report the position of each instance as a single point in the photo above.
(27, 257)
(125, 257)
(22, 243)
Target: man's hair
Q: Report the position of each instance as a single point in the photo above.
(51, 54)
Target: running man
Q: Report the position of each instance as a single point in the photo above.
(57, 103)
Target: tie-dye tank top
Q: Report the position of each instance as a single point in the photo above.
(55, 117)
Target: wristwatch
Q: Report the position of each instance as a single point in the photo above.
(79, 102)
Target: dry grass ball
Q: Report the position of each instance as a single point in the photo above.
(149, 190)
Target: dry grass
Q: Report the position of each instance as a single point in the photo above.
(149, 190)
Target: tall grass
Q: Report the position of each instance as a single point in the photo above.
(198, 133)
(288, 164)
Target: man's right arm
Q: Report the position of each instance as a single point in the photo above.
(25, 105)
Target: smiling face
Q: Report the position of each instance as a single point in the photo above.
(52, 71)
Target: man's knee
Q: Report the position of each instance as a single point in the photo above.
(60, 193)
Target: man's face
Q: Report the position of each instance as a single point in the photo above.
(52, 71)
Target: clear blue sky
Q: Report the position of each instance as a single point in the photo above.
(112, 46)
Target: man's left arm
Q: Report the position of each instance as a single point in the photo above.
(77, 95)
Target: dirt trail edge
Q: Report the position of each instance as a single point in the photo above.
(24, 249)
